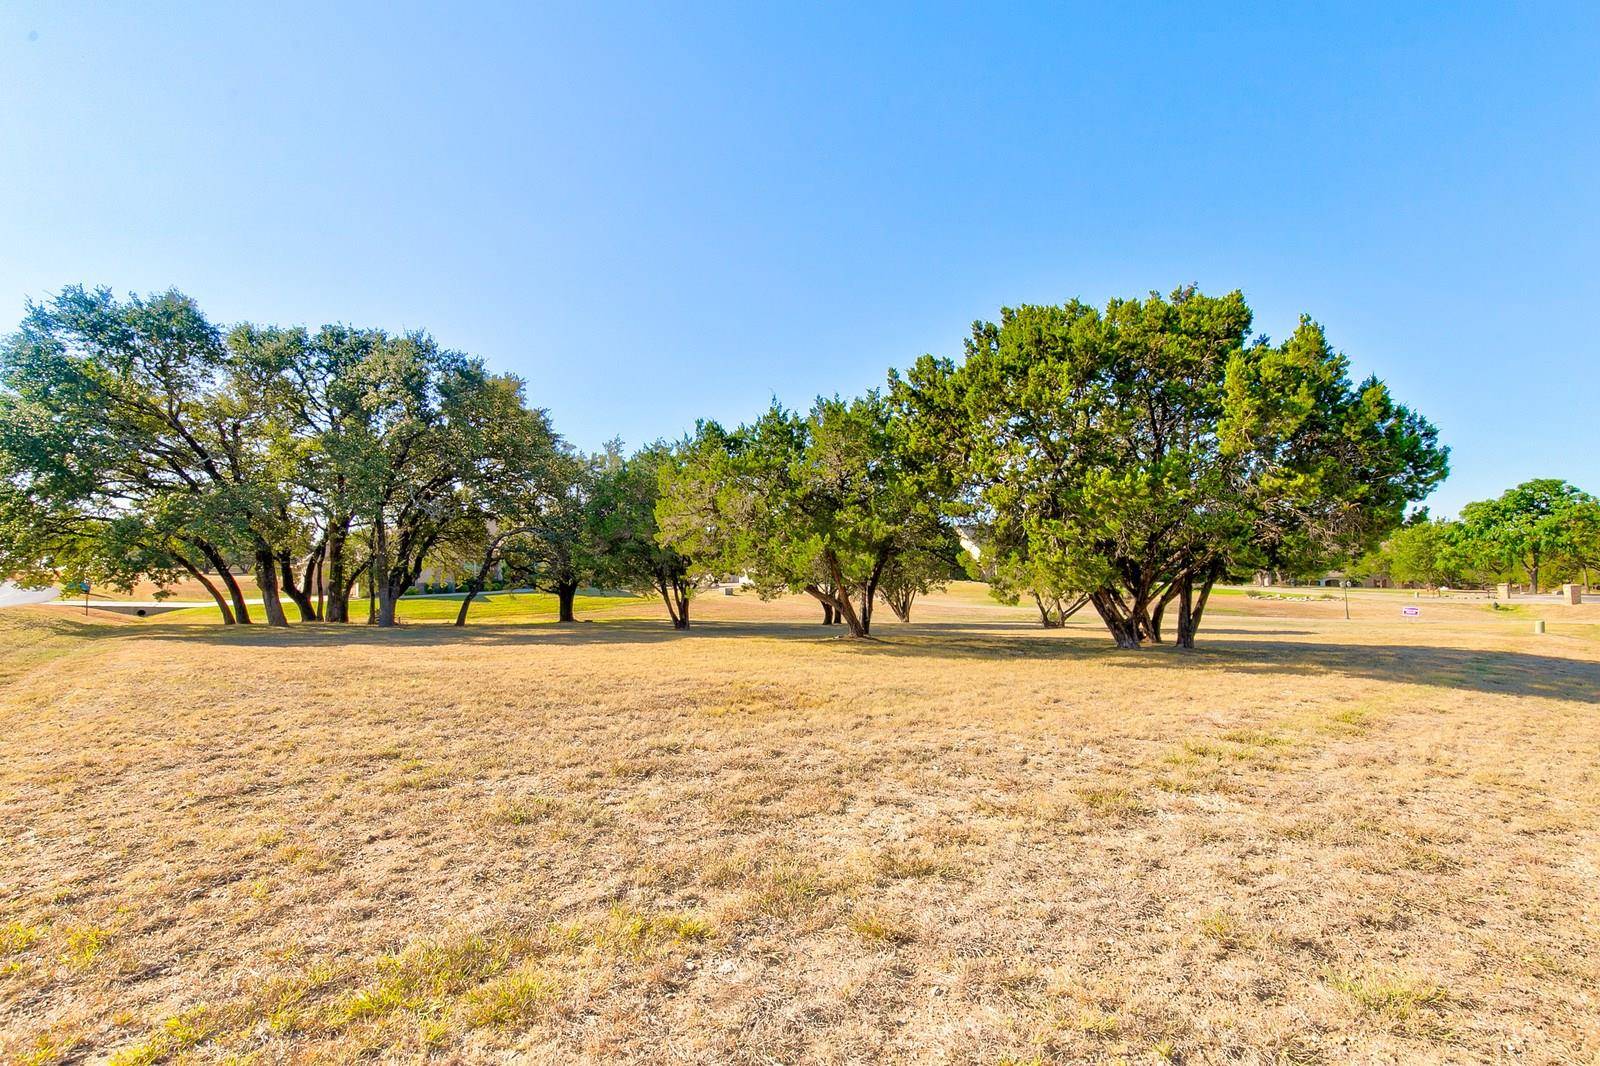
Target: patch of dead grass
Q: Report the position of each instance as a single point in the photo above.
(1309, 841)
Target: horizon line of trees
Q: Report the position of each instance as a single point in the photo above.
(1124, 459)
(1544, 532)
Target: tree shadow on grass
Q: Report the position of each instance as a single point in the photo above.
(1500, 672)
(1489, 671)
(1244, 651)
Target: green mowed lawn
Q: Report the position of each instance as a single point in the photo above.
(487, 607)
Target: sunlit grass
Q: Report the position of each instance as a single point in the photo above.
(968, 840)
(486, 607)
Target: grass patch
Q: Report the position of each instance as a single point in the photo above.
(424, 976)
(50, 1048)
(172, 1037)
(1349, 721)
(17, 937)
(1223, 929)
(513, 999)
(877, 928)
(1112, 802)
(83, 945)
(521, 812)
(911, 861)
(1393, 997)
(637, 931)
(496, 607)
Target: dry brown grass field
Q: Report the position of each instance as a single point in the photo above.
(972, 840)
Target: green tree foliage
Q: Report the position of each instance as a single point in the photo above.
(1126, 458)
(1139, 453)
(554, 546)
(1011, 574)
(1533, 526)
(321, 385)
(449, 436)
(925, 566)
(131, 434)
(631, 551)
(1429, 554)
(828, 503)
(138, 443)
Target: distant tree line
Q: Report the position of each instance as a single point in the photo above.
(1125, 459)
(1542, 533)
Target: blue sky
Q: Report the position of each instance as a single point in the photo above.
(660, 212)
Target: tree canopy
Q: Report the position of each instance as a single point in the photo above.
(829, 503)
(1125, 457)
(1136, 454)
(141, 441)
(1534, 525)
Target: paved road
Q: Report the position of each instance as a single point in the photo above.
(13, 596)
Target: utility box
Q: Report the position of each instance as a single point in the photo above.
(1502, 591)
(1572, 594)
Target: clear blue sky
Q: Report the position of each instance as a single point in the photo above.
(656, 214)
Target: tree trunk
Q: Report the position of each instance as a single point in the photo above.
(241, 610)
(311, 579)
(1123, 627)
(302, 601)
(566, 592)
(338, 608)
(1186, 612)
(475, 586)
(869, 595)
(859, 626)
(1159, 612)
(383, 586)
(675, 594)
(830, 613)
(388, 599)
(900, 602)
(216, 593)
(1533, 575)
(322, 590)
(267, 579)
(1191, 609)
(466, 602)
(672, 607)
(1046, 619)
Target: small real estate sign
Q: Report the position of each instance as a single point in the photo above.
(1411, 612)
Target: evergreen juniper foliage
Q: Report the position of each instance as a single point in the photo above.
(1137, 454)
(831, 503)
